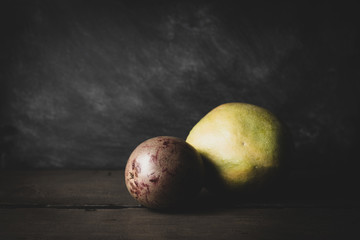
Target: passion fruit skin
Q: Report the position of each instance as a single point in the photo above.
(164, 172)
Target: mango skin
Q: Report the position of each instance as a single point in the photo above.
(244, 147)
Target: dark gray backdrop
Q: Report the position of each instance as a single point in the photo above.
(84, 82)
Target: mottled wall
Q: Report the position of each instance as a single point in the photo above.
(84, 82)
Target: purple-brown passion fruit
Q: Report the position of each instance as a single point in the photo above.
(164, 172)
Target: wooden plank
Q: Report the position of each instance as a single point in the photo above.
(106, 188)
(64, 187)
(141, 223)
(71, 204)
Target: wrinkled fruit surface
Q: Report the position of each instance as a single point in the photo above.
(164, 172)
(243, 147)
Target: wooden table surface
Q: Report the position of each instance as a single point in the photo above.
(85, 204)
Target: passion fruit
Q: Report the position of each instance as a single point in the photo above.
(164, 172)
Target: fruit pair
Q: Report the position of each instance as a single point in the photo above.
(236, 147)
